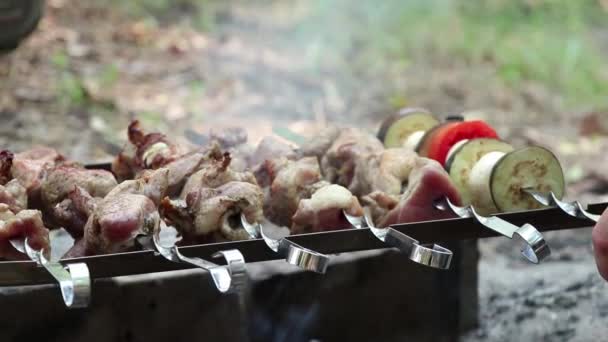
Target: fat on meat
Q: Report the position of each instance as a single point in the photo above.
(323, 211)
(387, 171)
(290, 182)
(144, 151)
(14, 195)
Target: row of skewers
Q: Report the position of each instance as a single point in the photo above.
(417, 168)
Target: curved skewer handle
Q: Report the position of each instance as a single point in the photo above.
(231, 278)
(574, 209)
(74, 279)
(433, 256)
(294, 254)
(534, 247)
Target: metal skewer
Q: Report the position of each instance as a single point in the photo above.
(574, 209)
(294, 254)
(534, 247)
(74, 279)
(435, 256)
(231, 278)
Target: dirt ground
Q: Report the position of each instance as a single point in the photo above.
(89, 69)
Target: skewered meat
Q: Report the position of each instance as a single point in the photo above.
(64, 184)
(14, 195)
(73, 212)
(6, 162)
(61, 180)
(271, 148)
(211, 196)
(214, 173)
(214, 213)
(115, 223)
(181, 169)
(291, 181)
(428, 182)
(28, 168)
(324, 210)
(318, 145)
(143, 151)
(386, 171)
(130, 209)
(25, 224)
(338, 163)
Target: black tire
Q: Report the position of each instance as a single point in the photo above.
(18, 18)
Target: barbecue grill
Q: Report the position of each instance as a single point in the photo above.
(152, 282)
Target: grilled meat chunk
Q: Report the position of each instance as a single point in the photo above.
(181, 169)
(144, 151)
(318, 145)
(29, 168)
(290, 182)
(64, 187)
(25, 224)
(73, 212)
(213, 214)
(271, 148)
(6, 162)
(215, 172)
(115, 223)
(324, 210)
(428, 182)
(338, 163)
(14, 195)
(387, 171)
(59, 181)
(130, 209)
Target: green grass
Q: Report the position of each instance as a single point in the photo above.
(199, 13)
(550, 42)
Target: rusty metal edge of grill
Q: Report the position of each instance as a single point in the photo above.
(15, 273)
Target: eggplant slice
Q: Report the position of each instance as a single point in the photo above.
(462, 161)
(396, 129)
(532, 167)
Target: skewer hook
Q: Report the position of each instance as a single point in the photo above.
(73, 278)
(574, 209)
(231, 278)
(434, 256)
(534, 247)
(295, 254)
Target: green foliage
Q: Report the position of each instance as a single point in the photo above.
(71, 90)
(109, 75)
(199, 12)
(550, 41)
(553, 42)
(60, 60)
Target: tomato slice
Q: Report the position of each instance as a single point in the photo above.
(446, 136)
(424, 145)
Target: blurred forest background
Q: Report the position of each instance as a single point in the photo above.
(535, 69)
